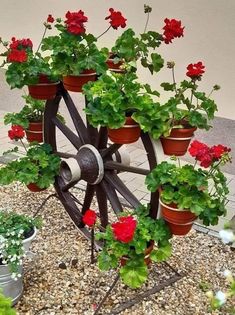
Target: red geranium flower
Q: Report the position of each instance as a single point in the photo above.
(201, 152)
(124, 230)
(16, 132)
(218, 150)
(116, 19)
(17, 56)
(50, 19)
(172, 29)
(89, 217)
(21, 43)
(75, 22)
(195, 70)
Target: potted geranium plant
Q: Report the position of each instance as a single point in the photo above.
(16, 234)
(129, 47)
(30, 117)
(5, 305)
(26, 67)
(131, 243)
(187, 192)
(37, 170)
(193, 109)
(74, 53)
(113, 99)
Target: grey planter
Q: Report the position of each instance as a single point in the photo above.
(11, 288)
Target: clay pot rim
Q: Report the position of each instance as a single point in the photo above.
(171, 208)
(44, 84)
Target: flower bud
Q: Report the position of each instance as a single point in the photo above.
(147, 9)
(170, 64)
(216, 87)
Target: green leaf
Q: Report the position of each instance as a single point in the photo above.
(167, 86)
(162, 253)
(134, 273)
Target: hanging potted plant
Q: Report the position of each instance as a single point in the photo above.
(74, 53)
(187, 192)
(30, 117)
(193, 109)
(112, 101)
(131, 243)
(37, 170)
(28, 68)
(16, 234)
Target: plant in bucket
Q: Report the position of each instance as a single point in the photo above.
(192, 109)
(37, 170)
(26, 67)
(16, 234)
(131, 243)
(74, 53)
(112, 100)
(187, 192)
(30, 118)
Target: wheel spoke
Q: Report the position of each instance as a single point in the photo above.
(112, 197)
(102, 203)
(69, 134)
(90, 191)
(112, 165)
(77, 120)
(102, 138)
(117, 184)
(110, 150)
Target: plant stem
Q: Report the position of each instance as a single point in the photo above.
(146, 24)
(44, 33)
(104, 32)
(173, 76)
(23, 145)
(92, 245)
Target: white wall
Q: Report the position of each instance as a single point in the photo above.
(209, 34)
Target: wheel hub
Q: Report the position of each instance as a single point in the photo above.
(87, 165)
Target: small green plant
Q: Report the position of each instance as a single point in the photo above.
(126, 241)
(26, 67)
(191, 107)
(73, 51)
(203, 192)
(32, 111)
(39, 166)
(14, 228)
(5, 305)
(115, 96)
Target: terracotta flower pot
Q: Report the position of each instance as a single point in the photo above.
(147, 252)
(43, 91)
(75, 83)
(115, 67)
(129, 133)
(178, 141)
(35, 132)
(179, 221)
(34, 188)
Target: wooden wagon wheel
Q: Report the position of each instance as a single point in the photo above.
(94, 164)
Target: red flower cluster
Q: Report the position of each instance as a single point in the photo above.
(116, 19)
(172, 29)
(89, 217)
(124, 230)
(50, 19)
(16, 132)
(195, 70)
(17, 56)
(75, 22)
(21, 43)
(205, 154)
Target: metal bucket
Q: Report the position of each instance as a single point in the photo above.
(11, 288)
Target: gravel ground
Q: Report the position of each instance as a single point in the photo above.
(51, 290)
